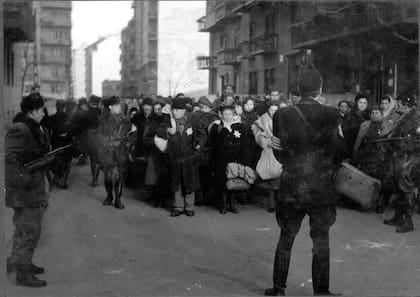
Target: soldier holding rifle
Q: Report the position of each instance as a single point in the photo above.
(405, 160)
(26, 188)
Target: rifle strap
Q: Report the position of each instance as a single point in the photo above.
(302, 116)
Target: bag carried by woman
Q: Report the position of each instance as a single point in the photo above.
(268, 167)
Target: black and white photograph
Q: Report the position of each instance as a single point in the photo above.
(210, 148)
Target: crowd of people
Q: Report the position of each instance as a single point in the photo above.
(185, 152)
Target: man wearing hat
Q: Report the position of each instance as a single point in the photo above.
(184, 146)
(405, 159)
(26, 190)
(92, 122)
(304, 142)
(113, 149)
(207, 116)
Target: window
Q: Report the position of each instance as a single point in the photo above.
(252, 29)
(55, 71)
(268, 80)
(222, 41)
(55, 89)
(236, 37)
(253, 83)
(270, 24)
(9, 69)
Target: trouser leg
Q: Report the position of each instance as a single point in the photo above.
(179, 203)
(108, 186)
(27, 222)
(189, 201)
(321, 219)
(289, 219)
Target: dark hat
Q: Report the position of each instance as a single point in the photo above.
(407, 99)
(82, 101)
(375, 107)
(94, 99)
(309, 81)
(148, 101)
(226, 106)
(179, 103)
(113, 100)
(205, 101)
(274, 102)
(60, 104)
(32, 102)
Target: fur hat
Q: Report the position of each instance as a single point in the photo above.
(179, 103)
(407, 99)
(32, 102)
(147, 101)
(94, 99)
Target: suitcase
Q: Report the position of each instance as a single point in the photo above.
(357, 186)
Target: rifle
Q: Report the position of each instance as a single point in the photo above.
(391, 139)
(45, 159)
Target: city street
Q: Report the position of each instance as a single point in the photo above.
(91, 250)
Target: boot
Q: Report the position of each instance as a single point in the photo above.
(281, 270)
(397, 219)
(108, 200)
(321, 275)
(224, 204)
(24, 277)
(407, 224)
(118, 204)
(37, 269)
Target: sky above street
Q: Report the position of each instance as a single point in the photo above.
(93, 19)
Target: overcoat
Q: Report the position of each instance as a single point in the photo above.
(25, 142)
(184, 158)
(229, 145)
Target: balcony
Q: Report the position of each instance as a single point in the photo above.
(57, 4)
(50, 41)
(228, 56)
(355, 19)
(222, 14)
(56, 22)
(264, 44)
(19, 22)
(202, 24)
(206, 62)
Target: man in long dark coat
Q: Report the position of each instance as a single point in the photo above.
(26, 190)
(92, 124)
(184, 144)
(305, 140)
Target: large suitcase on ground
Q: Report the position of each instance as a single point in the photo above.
(357, 186)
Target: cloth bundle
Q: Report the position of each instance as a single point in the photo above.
(239, 176)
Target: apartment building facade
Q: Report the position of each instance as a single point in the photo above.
(140, 78)
(53, 48)
(18, 67)
(259, 46)
(111, 88)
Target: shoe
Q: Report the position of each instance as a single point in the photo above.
(176, 213)
(108, 200)
(271, 209)
(118, 204)
(223, 211)
(28, 279)
(328, 293)
(406, 226)
(189, 213)
(274, 292)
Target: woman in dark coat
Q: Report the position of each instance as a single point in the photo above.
(113, 149)
(229, 140)
(358, 115)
